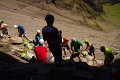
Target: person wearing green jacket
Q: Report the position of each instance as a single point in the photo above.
(76, 48)
(109, 57)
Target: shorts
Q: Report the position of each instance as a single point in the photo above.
(75, 55)
(92, 50)
(22, 33)
(5, 31)
(56, 51)
(67, 46)
(109, 61)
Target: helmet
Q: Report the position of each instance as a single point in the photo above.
(15, 26)
(86, 41)
(1, 21)
(73, 39)
(38, 31)
(41, 41)
(49, 17)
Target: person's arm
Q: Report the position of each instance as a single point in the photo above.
(82, 47)
(26, 37)
(72, 50)
(60, 36)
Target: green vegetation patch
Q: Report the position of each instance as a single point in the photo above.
(113, 12)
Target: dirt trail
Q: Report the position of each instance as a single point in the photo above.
(32, 17)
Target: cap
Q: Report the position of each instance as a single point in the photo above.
(49, 17)
(1, 21)
(41, 41)
(38, 31)
(86, 41)
(73, 39)
(15, 26)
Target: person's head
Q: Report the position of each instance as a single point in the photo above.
(1, 22)
(73, 39)
(86, 41)
(49, 19)
(41, 42)
(102, 48)
(15, 26)
(38, 31)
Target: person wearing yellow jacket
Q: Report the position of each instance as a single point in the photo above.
(109, 57)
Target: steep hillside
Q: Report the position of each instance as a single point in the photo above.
(75, 19)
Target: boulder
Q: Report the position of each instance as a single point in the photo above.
(16, 40)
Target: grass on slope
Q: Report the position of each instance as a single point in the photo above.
(113, 13)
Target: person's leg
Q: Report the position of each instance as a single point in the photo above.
(59, 55)
(52, 49)
(71, 58)
(92, 50)
(105, 62)
(79, 57)
(5, 31)
(20, 34)
(68, 48)
(64, 50)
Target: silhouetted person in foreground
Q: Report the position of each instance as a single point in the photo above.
(53, 38)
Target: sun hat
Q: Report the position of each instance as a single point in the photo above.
(73, 39)
(41, 41)
(86, 41)
(49, 17)
(38, 31)
(15, 26)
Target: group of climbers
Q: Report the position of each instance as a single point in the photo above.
(56, 43)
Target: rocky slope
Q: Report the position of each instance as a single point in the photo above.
(31, 15)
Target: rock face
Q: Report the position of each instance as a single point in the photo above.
(69, 71)
(96, 5)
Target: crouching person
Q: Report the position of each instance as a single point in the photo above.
(4, 29)
(40, 52)
(109, 57)
(28, 56)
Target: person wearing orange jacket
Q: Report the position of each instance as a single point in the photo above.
(65, 44)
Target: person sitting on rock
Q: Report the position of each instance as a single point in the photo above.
(3, 28)
(37, 38)
(75, 48)
(40, 52)
(109, 57)
(89, 48)
(21, 31)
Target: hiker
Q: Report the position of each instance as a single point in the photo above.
(3, 28)
(53, 38)
(37, 38)
(75, 48)
(89, 48)
(28, 56)
(109, 57)
(28, 45)
(65, 44)
(40, 52)
(21, 31)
